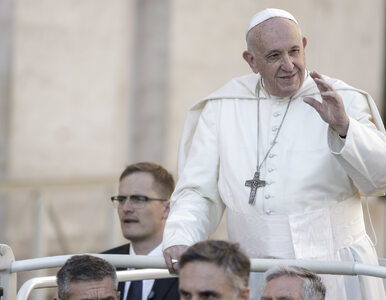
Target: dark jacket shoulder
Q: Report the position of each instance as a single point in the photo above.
(124, 249)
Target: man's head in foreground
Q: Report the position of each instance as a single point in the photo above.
(87, 277)
(292, 283)
(214, 270)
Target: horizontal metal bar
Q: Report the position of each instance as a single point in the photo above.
(125, 261)
(257, 265)
(320, 267)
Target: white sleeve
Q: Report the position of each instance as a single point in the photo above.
(196, 207)
(363, 153)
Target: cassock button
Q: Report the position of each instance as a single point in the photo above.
(271, 155)
(271, 170)
(267, 196)
(268, 211)
(276, 114)
(274, 128)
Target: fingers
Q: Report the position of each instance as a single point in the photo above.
(315, 74)
(172, 255)
(313, 102)
(169, 263)
(328, 97)
(176, 266)
(322, 85)
(327, 92)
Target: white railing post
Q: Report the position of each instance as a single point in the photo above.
(7, 278)
(39, 241)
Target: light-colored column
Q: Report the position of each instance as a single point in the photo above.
(6, 10)
(149, 79)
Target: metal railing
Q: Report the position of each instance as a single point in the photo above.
(9, 268)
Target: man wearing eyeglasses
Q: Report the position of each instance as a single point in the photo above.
(143, 207)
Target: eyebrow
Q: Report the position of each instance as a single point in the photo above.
(204, 293)
(210, 293)
(271, 52)
(295, 47)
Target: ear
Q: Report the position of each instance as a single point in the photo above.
(304, 42)
(166, 210)
(250, 59)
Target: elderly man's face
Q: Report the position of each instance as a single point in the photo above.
(276, 51)
(97, 290)
(207, 281)
(283, 287)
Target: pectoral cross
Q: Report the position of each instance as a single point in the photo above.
(254, 184)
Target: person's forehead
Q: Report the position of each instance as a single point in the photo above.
(277, 20)
(197, 277)
(284, 286)
(276, 35)
(274, 24)
(93, 289)
(138, 181)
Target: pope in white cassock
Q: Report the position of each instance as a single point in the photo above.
(285, 153)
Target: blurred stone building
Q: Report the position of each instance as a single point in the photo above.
(88, 86)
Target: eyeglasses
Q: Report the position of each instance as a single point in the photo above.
(136, 201)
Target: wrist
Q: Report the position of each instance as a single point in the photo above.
(343, 129)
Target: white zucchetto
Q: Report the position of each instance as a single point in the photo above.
(269, 13)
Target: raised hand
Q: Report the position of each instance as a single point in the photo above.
(331, 109)
(172, 255)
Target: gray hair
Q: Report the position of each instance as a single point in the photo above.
(83, 268)
(312, 285)
(223, 254)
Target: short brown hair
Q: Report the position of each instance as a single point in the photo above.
(223, 254)
(162, 178)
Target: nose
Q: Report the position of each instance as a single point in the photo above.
(287, 63)
(126, 206)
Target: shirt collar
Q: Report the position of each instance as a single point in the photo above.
(157, 251)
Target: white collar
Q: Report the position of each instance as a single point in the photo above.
(157, 251)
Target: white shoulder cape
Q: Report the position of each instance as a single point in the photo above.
(245, 88)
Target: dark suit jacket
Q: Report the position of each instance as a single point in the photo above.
(163, 289)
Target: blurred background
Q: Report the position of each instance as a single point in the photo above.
(88, 86)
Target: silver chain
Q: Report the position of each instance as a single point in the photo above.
(258, 166)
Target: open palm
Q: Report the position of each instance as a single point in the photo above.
(331, 109)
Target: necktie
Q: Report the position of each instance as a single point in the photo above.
(135, 290)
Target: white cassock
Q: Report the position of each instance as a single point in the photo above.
(310, 207)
